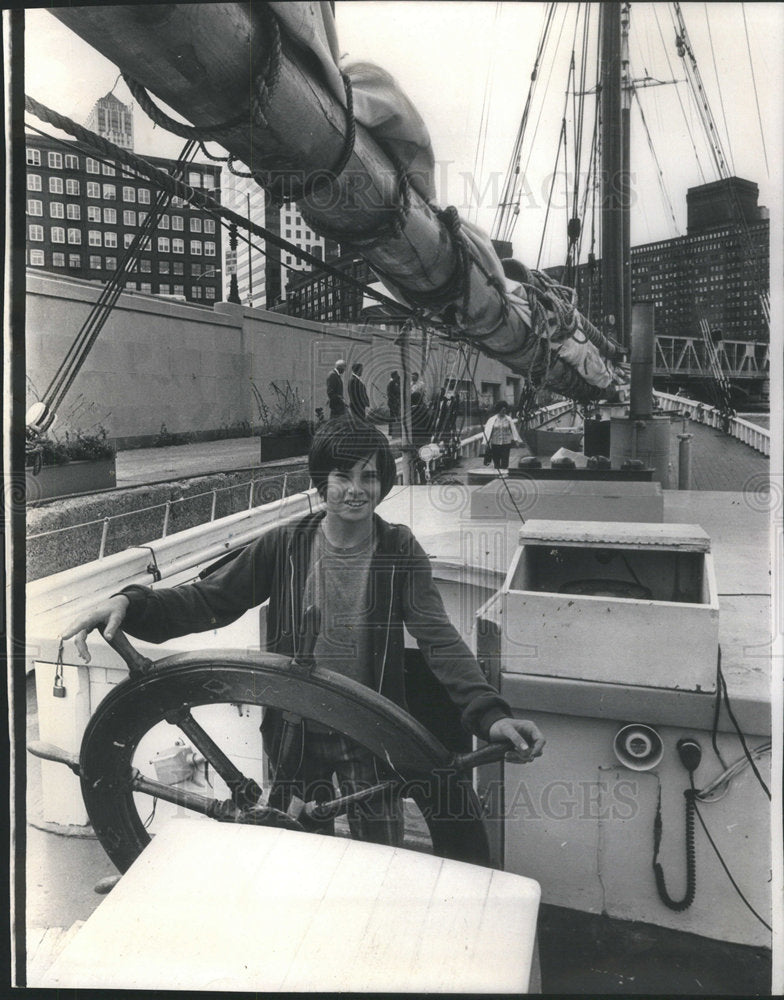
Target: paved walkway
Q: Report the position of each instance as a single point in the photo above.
(718, 462)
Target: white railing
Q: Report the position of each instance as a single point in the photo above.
(754, 436)
(58, 598)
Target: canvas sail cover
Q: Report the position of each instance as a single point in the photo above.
(546, 337)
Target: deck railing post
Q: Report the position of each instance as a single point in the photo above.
(214, 504)
(166, 519)
(104, 534)
(250, 494)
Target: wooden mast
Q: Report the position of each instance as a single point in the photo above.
(612, 171)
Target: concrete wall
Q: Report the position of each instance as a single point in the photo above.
(190, 367)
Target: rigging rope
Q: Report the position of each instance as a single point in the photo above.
(754, 83)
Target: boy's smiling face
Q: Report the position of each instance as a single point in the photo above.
(352, 496)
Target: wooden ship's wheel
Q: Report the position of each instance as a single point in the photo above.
(173, 689)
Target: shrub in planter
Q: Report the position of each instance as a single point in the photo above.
(76, 464)
(77, 448)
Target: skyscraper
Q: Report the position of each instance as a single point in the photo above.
(112, 120)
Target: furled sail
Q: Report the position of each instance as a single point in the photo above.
(349, 147)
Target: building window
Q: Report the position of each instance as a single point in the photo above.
(195, 225)
(35, 207)
(109, 192)
(145, 265)
(163, 222)
(108, 169)
(93, 189)
(37, 258)
(73, 211)
(33, 157)
(110, 216)
(179, 289)
(71, 161)
(178, 222)
(72, 186)
(95, 262)
(209, 249)
(56, 210)
(110, 263)
(129, 194)
(163, 267)
(58, 259)
(92, 166)
(142, 217)
(164, 289)
(130, 286)
(163, 244)
(194, 178)
(145, 286)
(127, 171)
(178, 246)
(33, 182)
(178, 266)
(196, 248)
(93, 213)
(129, 217)
(74, 260)
(127, 240)
(209, 225)
(195, 291)
(56, 234)
(94, 238)
(143, 196)
(55, 161)
(195, 270)
(110, 238)
(75, 236)
(55, 185)
(209, 292)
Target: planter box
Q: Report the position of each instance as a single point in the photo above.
(72, 477)
(277, 446)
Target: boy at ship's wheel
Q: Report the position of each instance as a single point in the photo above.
(368, 578)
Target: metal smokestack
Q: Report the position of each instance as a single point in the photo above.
(642, 360)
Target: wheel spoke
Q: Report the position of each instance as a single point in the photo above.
(204, 804)
(244, 791)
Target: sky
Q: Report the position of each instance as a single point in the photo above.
(467, 68)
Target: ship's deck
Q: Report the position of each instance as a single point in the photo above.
(729, 501)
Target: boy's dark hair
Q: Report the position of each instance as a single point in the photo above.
(341, 443)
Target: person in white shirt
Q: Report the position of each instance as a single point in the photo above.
(500, 433)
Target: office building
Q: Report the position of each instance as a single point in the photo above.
(83, 212)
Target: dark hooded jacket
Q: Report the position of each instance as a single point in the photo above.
(275, 567)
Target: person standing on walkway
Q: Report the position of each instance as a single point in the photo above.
(393, 402)
(500, 432)
(358, 399)
(337, 404)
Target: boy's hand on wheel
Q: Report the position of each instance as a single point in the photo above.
(523, 734)
(110, 614)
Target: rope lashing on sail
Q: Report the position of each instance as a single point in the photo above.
(181, 129)
(264, 84)
(275, 183)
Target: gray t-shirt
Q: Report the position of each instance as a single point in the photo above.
(338, 584)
